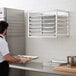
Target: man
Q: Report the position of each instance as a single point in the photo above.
(5, 55)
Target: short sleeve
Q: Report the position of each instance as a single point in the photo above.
(4, 50)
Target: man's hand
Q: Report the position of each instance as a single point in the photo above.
(25, 59)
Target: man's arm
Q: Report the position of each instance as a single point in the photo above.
(10, 58)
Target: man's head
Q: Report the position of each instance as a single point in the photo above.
(3, 27)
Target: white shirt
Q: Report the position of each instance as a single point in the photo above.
(4, 50)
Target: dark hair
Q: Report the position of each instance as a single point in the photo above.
(3, 26)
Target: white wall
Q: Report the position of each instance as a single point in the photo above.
(53, 48)
(48, 48)
(37, 5)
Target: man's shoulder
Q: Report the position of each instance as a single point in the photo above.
(1, 37)
(2, 40)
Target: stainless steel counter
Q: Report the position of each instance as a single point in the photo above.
(38, 67)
